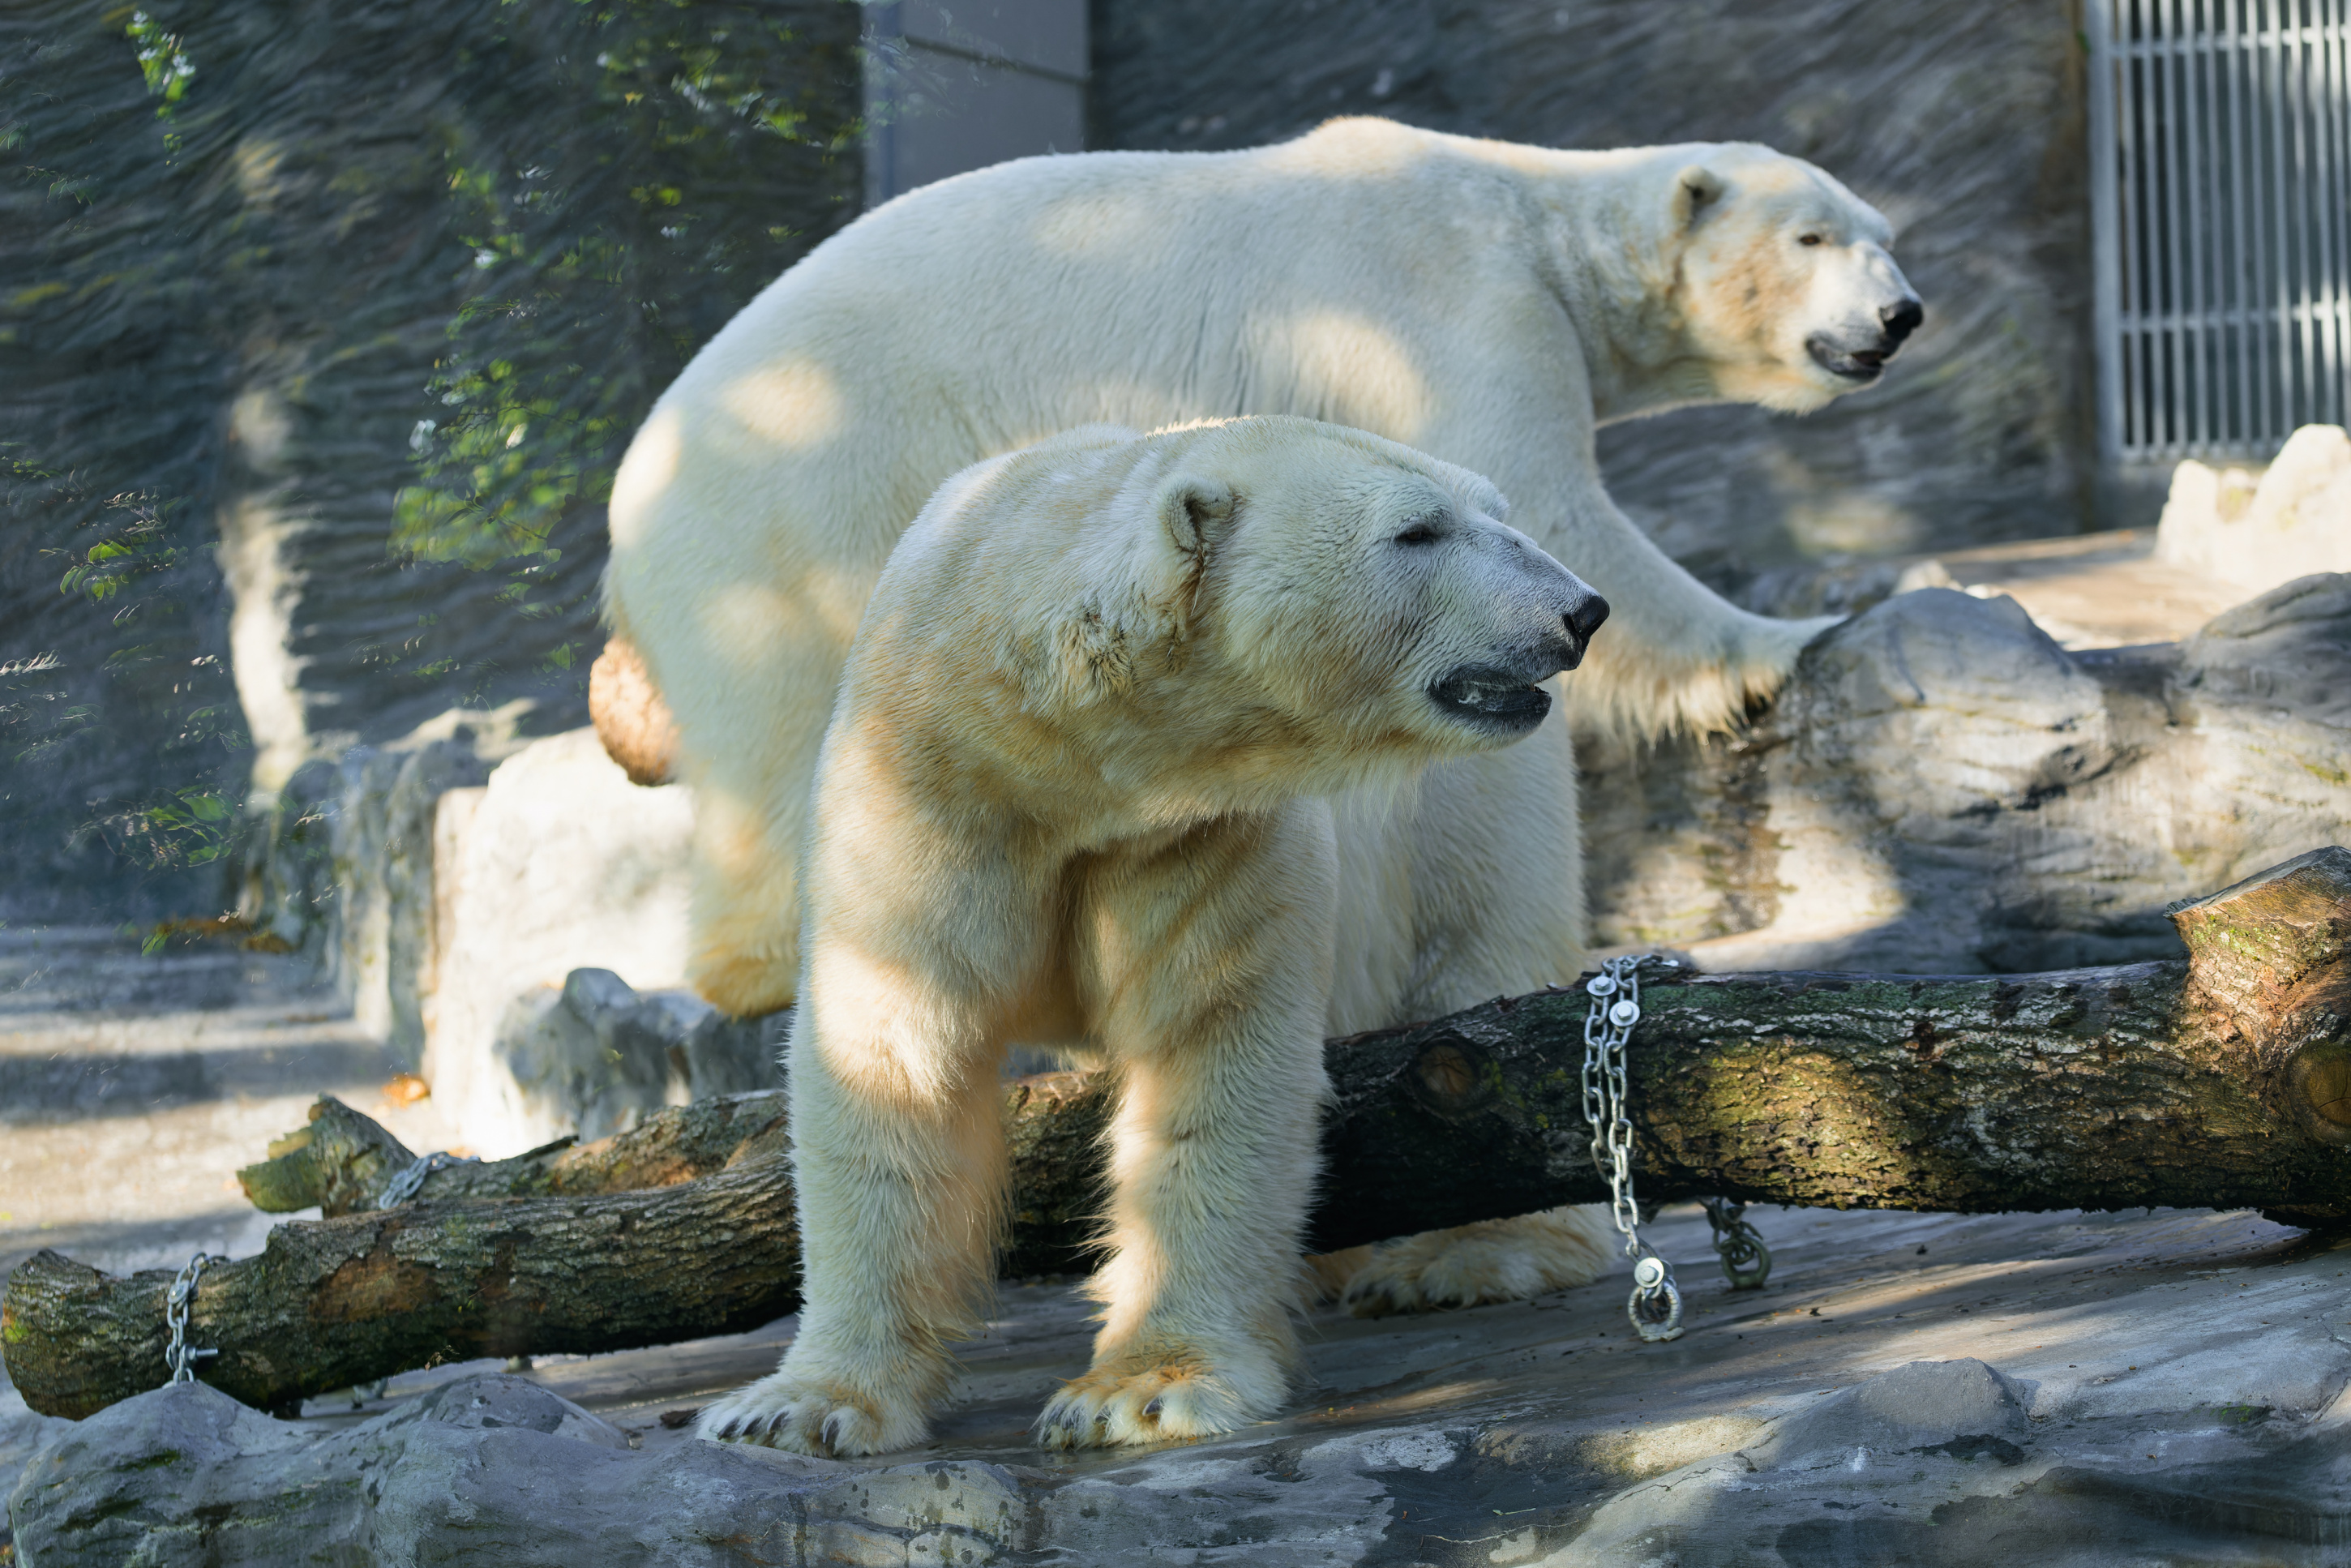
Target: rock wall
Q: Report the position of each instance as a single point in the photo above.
(326, 325)
(1942, 789)
(1962, 119)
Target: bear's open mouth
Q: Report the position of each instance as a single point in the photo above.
(1491, 697)
(1852, 364)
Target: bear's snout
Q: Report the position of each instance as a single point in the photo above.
(1900, 319)
(1584, 618)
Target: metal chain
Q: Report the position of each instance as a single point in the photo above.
(1656, 1306)
(1746, 1261)
(410, 1182)
(179, 1356)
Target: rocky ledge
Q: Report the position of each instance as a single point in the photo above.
(2071, 1388)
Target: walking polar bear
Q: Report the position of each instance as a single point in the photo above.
(1077, 785)
(1490, 303)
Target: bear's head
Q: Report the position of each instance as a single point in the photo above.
(1785, 291)
(1350, 602)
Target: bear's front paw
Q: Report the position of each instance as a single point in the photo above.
(810, 1415)
(1494, 1261)
(1167, 1400)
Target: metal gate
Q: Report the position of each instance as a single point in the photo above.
(2221, 160)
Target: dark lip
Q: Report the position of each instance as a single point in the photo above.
(1852, 364)
(1491, 698)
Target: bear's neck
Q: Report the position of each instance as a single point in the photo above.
(1628, 314)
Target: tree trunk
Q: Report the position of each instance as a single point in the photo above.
(2221, 1081)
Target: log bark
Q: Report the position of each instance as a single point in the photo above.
(344, 1161)
(2220, 1081)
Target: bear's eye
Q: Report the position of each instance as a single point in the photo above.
(1808, 239)
(1419, 531)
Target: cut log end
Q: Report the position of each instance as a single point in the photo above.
(2267, 965)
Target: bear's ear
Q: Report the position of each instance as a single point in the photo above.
(1196, 511)
(1696, 189)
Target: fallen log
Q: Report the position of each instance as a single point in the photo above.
(2222, 1081)
(344, 1162)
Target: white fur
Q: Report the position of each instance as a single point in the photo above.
(1490, 303)
(1075, 784)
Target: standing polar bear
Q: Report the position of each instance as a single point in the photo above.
(1077, 784)
(1490, 303)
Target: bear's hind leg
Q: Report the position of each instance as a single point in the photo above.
(1209, 974)
(1493, 853)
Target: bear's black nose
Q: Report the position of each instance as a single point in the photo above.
(1585, 618)
(1900, 320)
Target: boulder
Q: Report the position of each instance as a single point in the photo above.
(593, 1056)
(559, 864)
(1941, 787)
(2258, 533)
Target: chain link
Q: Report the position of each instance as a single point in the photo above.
(1655, 1304)
(1656, 1307)
(410, 1182)
(1746, 1261)
(179, 1356)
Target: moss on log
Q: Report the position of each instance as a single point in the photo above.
(2221, 1081)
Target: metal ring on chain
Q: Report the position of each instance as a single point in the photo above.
(177, 1354)
(1654, 1306)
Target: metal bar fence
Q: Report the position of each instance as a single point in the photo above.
(2220, 217)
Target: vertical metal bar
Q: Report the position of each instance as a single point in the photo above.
(2278, 335)
(2240, 303)
(2335, 157)
(2163, 166)
(2194, 319)
(2141, 230)
(2106, 233)
(2281, 219)
(2319, 239)
(2297, 224)
(2255, 234)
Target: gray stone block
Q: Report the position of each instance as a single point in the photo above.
(597, 1055)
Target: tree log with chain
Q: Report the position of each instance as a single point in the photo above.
(2222, 1081)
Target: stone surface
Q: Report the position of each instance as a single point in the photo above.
(1942, 789)
(2069, 1388)
(559, 864)
(2255, 534)
(2087, 590)
(132, 1087)
(593, 1056)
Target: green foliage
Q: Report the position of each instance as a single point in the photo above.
(455, 250)
(607, 246)
(166, 67)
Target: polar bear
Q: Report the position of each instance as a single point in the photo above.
(1490, 303)
(1077, 783)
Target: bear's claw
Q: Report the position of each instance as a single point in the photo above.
(808, 1416)
(1108, 1408)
